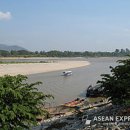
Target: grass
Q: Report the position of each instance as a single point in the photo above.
(93, 100)
(16, 62)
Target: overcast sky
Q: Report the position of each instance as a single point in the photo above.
(76, 25)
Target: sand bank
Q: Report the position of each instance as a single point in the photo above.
(33, 68)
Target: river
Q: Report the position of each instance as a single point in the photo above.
(68, 88)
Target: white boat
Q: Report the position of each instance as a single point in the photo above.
(67, 73)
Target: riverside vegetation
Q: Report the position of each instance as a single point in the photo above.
(55, 53)
(20, 103)
(116, 85)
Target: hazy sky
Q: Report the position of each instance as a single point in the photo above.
(76, 25)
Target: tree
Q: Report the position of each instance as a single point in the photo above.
(4, 53)
(122, 52)
(117, 84)
(117, 51)
(20, 103)
(127, 51)
(23, 52)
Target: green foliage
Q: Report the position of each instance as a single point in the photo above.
(117, 84)
(20, 102)
(56, 53)
(4, 53)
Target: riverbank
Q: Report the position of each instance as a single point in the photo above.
(88, 116)
(34, 68)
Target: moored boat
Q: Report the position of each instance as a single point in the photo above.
(76, 102)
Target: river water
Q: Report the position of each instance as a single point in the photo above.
(68, 88)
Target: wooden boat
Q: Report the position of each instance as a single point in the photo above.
(76, 102)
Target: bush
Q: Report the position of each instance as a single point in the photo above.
(20, 102)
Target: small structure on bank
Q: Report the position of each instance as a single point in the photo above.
(94, 91)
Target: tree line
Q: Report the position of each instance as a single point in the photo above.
(56, 53)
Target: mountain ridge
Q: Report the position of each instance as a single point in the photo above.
(11, 47)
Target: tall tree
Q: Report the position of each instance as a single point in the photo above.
(127, 51)
(117, 51)
(117, 84)
(20, 103)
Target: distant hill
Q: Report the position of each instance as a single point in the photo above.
(9, 48)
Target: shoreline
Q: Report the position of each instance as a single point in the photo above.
(34, 68)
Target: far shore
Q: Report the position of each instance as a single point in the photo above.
(34, 68)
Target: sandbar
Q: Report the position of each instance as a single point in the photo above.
(34, 68)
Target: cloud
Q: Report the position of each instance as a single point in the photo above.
(5, 15)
